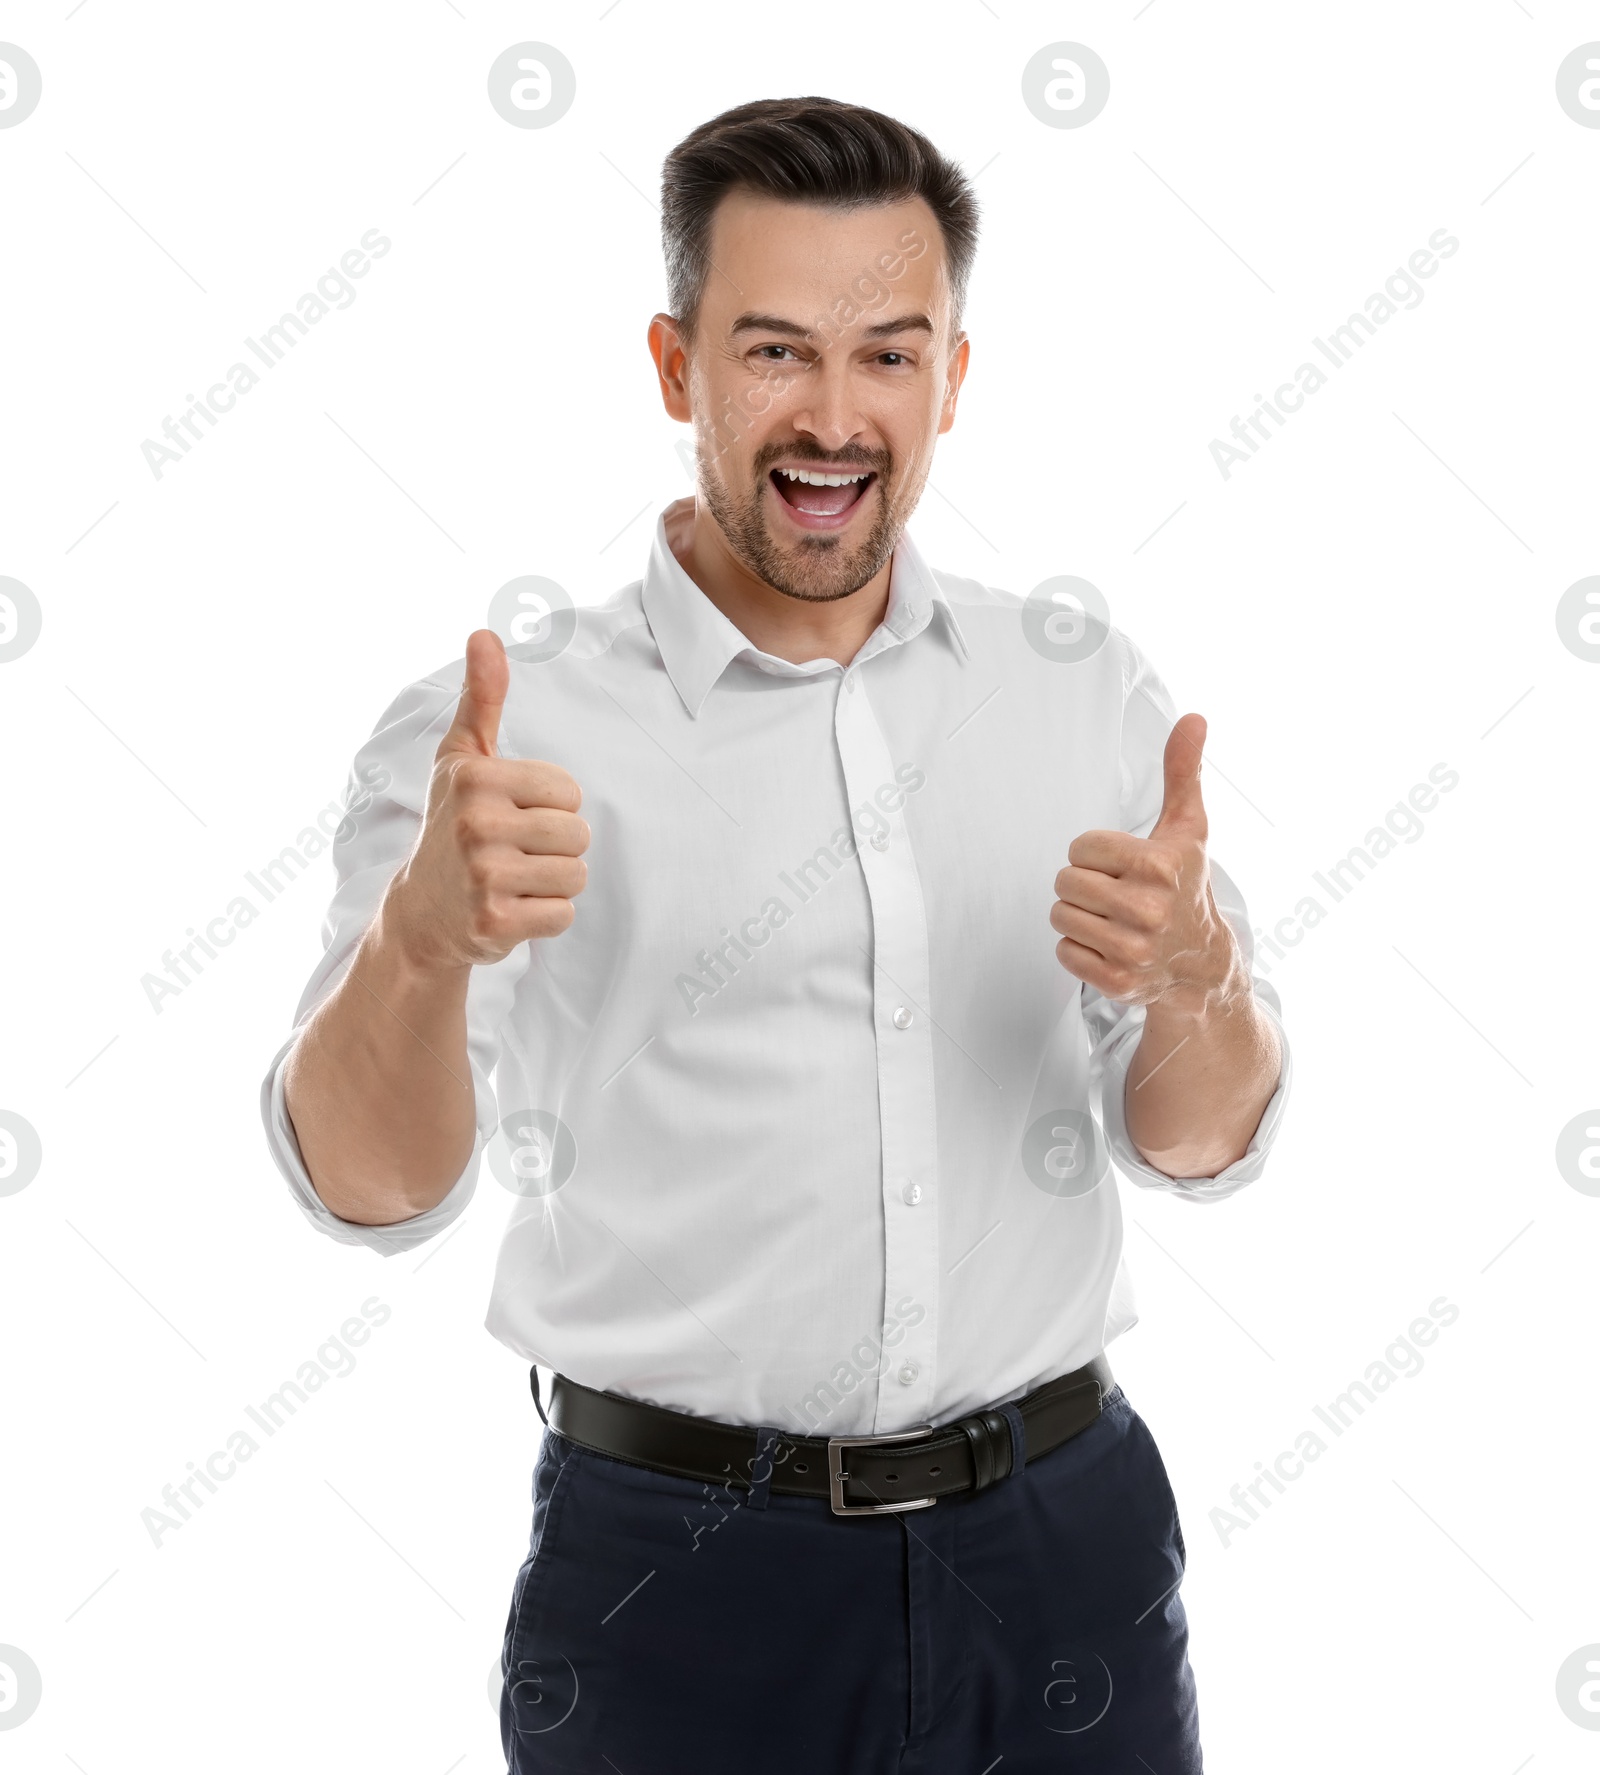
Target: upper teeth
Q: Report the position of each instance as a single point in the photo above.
(819, 480)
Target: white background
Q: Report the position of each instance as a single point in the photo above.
(1372, 594)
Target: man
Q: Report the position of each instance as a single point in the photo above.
(814, 1221)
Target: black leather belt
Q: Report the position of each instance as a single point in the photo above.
(858, 1475)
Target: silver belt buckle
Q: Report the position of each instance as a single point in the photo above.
(838, 1473)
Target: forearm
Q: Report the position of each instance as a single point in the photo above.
(379, 1089)
(1197, 1085)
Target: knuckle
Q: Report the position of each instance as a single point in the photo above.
(472, 837)
(466, 771)
(1148, 910)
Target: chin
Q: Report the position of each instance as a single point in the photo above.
(815, 568)
(821, 568)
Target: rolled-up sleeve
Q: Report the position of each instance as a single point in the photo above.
(383, 811)
(1115, 1029)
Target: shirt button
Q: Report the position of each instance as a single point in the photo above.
(902, 1018)
(880, 841)
(908, 1373)
(849, 682)
(912, 1194)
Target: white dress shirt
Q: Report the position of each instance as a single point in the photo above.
(796, 1124)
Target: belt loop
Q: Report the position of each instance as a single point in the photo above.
(761, 1468)
(1019, 1440)
(533, 1378)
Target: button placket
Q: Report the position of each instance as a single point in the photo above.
(906, 1101)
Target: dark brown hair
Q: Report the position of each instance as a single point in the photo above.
(805, 150)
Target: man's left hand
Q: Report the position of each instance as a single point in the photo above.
(1137, 918)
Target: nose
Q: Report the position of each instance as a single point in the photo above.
(827, 411)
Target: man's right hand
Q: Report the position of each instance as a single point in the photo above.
(499, 856)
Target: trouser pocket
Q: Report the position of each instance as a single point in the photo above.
(538, 1690)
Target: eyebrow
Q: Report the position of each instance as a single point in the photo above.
(774, 323)
(902, 323)
(767, 323)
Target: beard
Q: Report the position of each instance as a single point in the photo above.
(815, 569)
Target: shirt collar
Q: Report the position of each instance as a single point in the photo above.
(696, 641)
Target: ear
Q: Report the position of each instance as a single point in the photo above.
(672, 365)
(955, 375)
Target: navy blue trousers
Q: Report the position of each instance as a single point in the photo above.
(663, 1627)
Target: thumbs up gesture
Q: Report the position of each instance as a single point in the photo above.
(499, 857)
(1137, 918)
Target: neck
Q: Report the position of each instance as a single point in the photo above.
(795, 629)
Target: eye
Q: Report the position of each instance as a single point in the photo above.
(761, 349)
(899, 357)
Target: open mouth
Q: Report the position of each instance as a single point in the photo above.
(818, 498)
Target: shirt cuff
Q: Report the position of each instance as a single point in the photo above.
(1116, 1056)
(400, 1235)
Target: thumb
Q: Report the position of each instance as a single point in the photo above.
(1183, 812)
(476, 727)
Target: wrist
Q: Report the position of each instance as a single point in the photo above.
(396, 947)
(1195, 1005)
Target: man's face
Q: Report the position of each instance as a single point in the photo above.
(822, 348)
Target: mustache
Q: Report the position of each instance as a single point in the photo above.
(879, 464)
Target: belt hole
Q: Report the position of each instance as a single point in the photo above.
(892, 1478)
(801, 1467)
(934, 1472)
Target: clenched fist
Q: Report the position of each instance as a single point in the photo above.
(1137, 917)
(500, 853)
